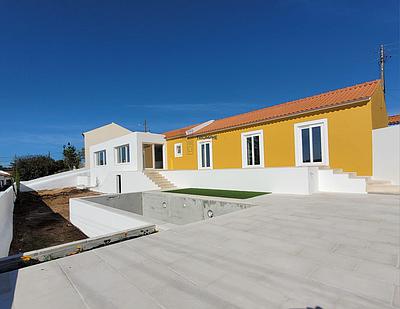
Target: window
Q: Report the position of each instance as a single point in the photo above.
(253, 149)
(122, 154)
(178, 150)
(204, 154)
(100, 157)
(311, 143)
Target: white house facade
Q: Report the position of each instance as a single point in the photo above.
(117, 165)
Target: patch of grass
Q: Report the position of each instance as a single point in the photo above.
(219, 193)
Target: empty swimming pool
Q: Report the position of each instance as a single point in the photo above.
(109, 213)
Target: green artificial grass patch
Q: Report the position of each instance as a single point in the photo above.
(219, 193)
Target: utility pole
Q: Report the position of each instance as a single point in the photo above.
(382, 66)
(145, 125)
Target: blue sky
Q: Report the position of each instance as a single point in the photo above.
(69, 66)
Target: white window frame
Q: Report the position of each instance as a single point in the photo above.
(105, 157)
(128, 154)
(178, 155)
(244, 136)
(199, 143)
(323, 123)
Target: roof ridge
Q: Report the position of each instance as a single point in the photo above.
(291, 102)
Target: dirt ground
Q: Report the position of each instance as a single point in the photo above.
(41, 219)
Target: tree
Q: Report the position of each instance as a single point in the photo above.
(72, 157)
(31, 167)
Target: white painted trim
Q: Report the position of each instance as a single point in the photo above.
(204, 141)
(165, 156)
(244, 135)
(324, 142)
(116, 154)
(178, 155)
(197, 128)
(153, 152)
(105, 158)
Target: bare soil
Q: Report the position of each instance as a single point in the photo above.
(41, 219)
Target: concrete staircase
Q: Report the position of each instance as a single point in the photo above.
(382, 187)
(162, 182)
(371, 185)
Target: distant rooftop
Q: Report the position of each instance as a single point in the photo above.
(394, 119)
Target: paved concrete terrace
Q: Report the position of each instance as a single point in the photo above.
(330, 250)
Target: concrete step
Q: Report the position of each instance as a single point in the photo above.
(383, 189)
(171, 187)
(159, 180)
(367, 178)
(378, 182)
(156, 177)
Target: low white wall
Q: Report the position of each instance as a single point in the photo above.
(7, 199)
(95, 220)
(386, 154)
(291, 180)
(105, 180)
(60, 180)
(328, 181)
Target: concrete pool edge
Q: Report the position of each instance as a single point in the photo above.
(17, 261)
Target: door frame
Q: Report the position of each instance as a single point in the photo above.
(118, 180)
(153, 156)
(199, 143)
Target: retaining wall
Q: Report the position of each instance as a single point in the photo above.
(290, 180)
(95, 219)
(7, 199)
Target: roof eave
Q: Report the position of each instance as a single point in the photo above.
(366, 99)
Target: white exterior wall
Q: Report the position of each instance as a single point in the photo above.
(7, 199)
(105, 180)
(60, 180)
(103, 177)
(386, 154)
(290, 180)
(95, 220)
(328, 181)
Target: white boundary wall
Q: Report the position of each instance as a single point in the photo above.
(60, 180)
(386, 154)
(7, 199)
(95, 220)
(289, 180)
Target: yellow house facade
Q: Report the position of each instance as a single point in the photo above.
(332, 129)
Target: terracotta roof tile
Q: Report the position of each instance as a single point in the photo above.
(324, 100)
(321, 101)
(394, 119)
